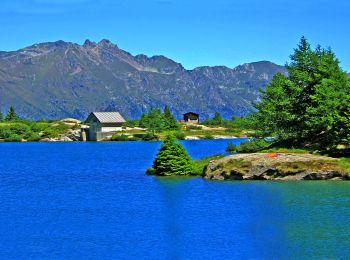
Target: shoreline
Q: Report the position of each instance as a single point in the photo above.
(111, 141)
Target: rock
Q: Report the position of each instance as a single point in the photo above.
(65, 139)
(71, 120)
(49, 140)
(192, 137)
(224, 137)
(281, 166)
(74, 135)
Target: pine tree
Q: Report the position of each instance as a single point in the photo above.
(311, 104)
(169, 120)
(172, 159)
(1, 116)
(11, 115)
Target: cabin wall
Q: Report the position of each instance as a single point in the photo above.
(95, 127)
(111, 129)
(191, 119)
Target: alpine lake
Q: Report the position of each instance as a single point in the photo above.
(94, 201)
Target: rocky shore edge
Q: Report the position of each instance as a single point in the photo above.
(275, 166)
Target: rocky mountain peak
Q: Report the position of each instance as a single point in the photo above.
(159, 63)
(104, 43)
(89, 43)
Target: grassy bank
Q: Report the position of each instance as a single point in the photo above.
(200, 165)
(23, 130)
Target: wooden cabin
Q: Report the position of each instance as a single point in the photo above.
(103, 124)
(191, 117)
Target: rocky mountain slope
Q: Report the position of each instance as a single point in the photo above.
(61, 79)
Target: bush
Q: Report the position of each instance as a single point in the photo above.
(150, 137)
(194, 127)
(33, 137)
(172, 159)
(13, 138)
(208, 136)
(19, 128)
(179, 135)
(120, 138)
(55, 129)
(199, 166)
(231, 148)
(150, 171)
(39, 126)
(249, 146)
(5, 132)
(131, 123)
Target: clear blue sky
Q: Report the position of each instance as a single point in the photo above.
(193, 32)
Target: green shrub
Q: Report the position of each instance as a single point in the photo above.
(13, 138)
(172, 159)
(53, 130)
(150, 171)
(19, 128)
(249, 146)
(150, 137)
(199, 166)
(33, 137)
(131, 123)
(194, 127)
(208, 136)
(120, 138)
(231, 148)
(5, 132)
(179, 135)
(39, 126)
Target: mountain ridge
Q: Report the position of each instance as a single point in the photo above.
(63, 79)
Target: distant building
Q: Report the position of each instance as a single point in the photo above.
(191, 117)
(102, 124)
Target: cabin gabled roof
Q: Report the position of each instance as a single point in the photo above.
(191, 113)
(107, 117)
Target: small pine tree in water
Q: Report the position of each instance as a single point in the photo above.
(172, 159)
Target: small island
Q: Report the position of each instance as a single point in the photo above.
(276, 166)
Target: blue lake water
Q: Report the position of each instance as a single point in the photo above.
(93, 200)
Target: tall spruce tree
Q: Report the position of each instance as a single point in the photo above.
(309, 106)
(153, 120)
(169, 120)
(172, 159)
(11, 115)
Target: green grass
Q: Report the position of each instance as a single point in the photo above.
(199, 165)
(15, 131)
(193, 131)
(284, 150)
(344, 163)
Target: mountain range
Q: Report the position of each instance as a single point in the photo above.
(61, 79)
